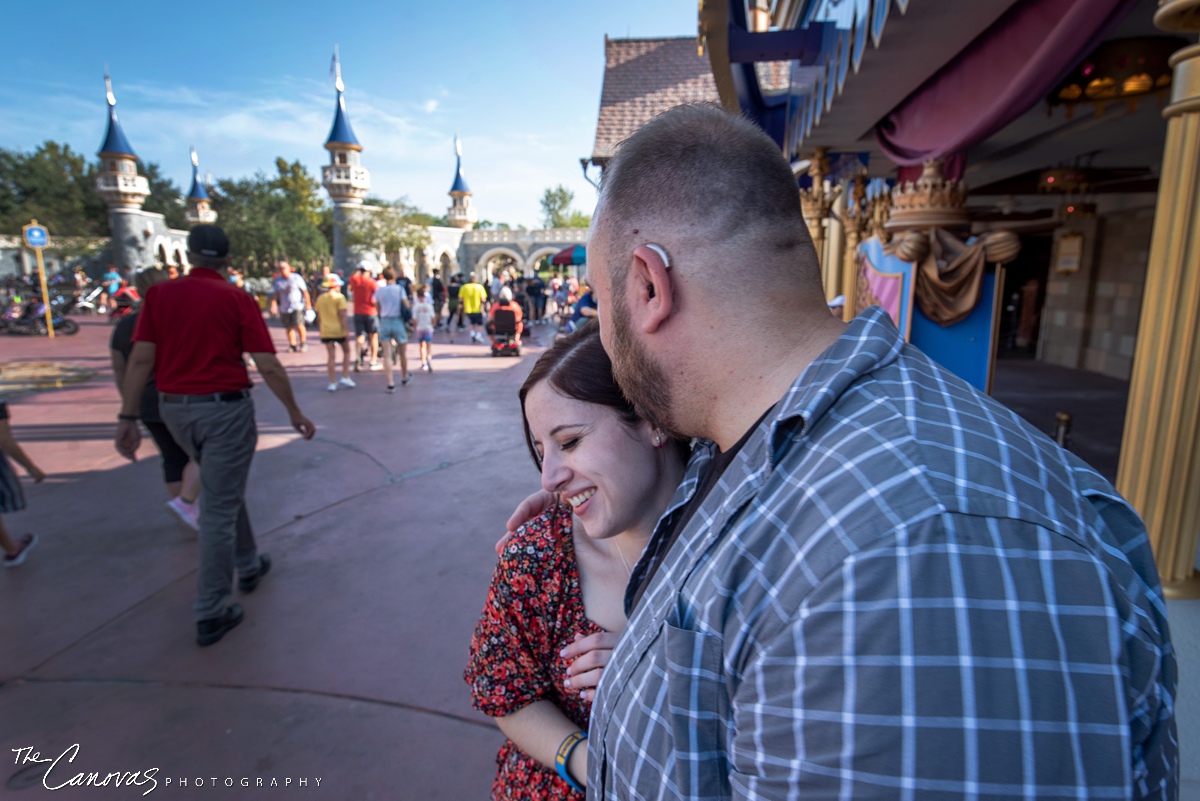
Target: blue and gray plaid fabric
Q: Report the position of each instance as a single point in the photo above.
(897, 590)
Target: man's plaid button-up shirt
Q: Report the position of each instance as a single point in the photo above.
(898, 589)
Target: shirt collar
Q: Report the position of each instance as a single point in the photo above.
(869, 342)
(206, 272)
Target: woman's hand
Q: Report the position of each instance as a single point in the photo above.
(589, 655)
(528, 509)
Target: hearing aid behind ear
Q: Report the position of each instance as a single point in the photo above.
(662, 254)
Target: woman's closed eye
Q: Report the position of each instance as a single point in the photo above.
(568, 444)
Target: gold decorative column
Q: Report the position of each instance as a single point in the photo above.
(857, 222)
(815, 203)
(1160, 452)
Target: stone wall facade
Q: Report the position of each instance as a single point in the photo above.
(1117, 303)
(1091, 316)
(456, 250)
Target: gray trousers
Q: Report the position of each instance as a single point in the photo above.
(220, 437)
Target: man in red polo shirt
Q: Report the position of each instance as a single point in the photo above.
(366, 315)
(192, 333)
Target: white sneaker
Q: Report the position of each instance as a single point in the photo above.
(25, 544)
(188, 513)
(345, 382)
(377, 366)
(332, 387)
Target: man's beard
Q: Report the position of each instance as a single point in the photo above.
(643, 382)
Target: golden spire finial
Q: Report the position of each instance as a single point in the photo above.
(457, 145)
(195, 158)
(112, 99)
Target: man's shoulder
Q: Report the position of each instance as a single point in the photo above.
(917, 433)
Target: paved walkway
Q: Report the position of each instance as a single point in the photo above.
(348, 665)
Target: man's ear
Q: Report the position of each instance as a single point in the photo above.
(651, 289)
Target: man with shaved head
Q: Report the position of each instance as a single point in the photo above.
(873, 580)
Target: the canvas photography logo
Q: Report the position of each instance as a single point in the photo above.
(57, 770)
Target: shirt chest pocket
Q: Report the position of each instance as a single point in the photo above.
(698, 713)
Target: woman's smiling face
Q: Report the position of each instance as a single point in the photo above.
(606, 470)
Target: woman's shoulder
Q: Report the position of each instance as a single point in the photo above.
(541, 539)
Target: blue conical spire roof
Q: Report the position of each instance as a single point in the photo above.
(198, 191)
(115, 142)
(341, 133)
(460, 183)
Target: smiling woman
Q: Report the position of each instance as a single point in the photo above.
(556, 604)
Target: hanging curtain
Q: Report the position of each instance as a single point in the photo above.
(1007, 69)
(948, 278)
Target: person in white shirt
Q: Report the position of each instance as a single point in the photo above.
(423, 314)
(392, 301)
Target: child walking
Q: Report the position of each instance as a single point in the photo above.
(12, 499)
(331, 316)
(423, 314)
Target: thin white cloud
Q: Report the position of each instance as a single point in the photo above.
(240, 133)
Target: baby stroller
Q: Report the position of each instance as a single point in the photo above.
(504, 332)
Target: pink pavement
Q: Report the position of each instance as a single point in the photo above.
(348, 665)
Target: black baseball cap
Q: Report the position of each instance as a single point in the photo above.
(208, 240)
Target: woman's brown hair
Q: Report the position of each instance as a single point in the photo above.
(577, 367)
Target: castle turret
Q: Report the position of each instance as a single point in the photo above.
(199, 210)
(123, 190)
(344, 178)
(118, 182)
(461, 213)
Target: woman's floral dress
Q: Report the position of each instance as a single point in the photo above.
(534, 609)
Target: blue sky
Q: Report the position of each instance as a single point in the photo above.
(246, 82)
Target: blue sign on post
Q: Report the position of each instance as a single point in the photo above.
(36, 236)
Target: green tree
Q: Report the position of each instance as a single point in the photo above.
(385, 226)
(56, 186)
(268, 218)
(577, 219)
(557, 211)
(301, 188)
(426, 219)
(165, 197)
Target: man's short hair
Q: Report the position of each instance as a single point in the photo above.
(667, 175)
(197, 260)
(471, 276)
(145, 278)
(389, 274)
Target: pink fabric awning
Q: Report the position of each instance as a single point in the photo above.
(1010, 67)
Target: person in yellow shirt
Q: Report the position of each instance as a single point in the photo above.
(471, 298)
(331, 315)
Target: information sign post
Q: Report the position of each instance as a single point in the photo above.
(37, 238)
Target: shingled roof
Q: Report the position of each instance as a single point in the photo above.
(643, 78)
